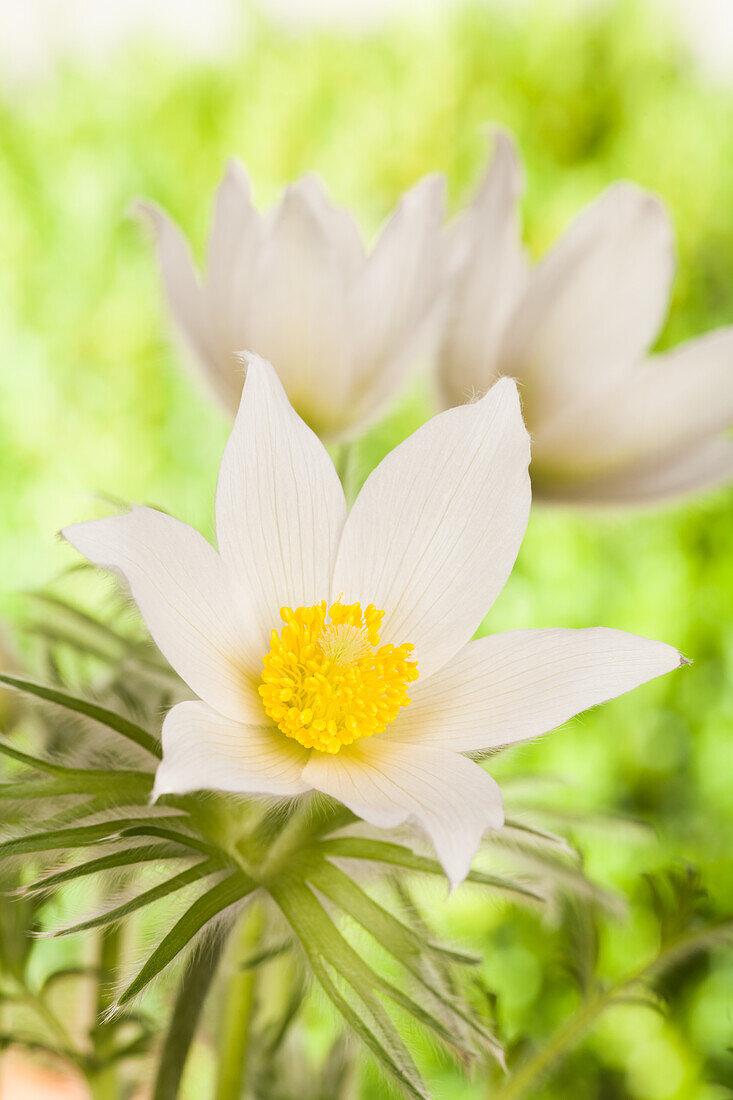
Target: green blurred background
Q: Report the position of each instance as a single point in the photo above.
(93, 399)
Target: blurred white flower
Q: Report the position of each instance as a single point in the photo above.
(608, 423)
(333, 653)
(341, 326)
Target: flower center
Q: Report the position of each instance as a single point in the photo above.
(327, 681)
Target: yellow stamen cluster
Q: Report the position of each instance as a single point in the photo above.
(326, 679)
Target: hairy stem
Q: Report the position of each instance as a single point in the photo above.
(190, 999)
(237, 1013)
(104, 1083)
(527, 1077)
(307, 822)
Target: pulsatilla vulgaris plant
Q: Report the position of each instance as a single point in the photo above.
(342, 717)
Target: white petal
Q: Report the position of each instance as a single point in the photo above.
(298, 319)
(337, 225)
(485, 248)
(594, 304)
(237, 232)
(189, 308)
(655, 413)
(234, 223)
(705, 467)
(435, 531)
(204, 751)
(190, 600)
(509, 687)
(392, 305)
(452, 798)
(280, 507)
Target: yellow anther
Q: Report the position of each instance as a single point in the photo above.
(326, 681)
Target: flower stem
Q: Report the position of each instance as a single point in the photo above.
(237, 1012)
(192, 992)
(104, 1083)
(526, 1079)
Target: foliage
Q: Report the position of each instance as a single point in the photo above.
(81, 319)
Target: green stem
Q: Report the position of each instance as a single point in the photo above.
(306, 824)
(104, 1084)
(525, 1080)
(192, 991)
(237, 1013)
(44, 1013)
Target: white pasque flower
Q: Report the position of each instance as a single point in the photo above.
(332, 652)
(340, 325)
(609, 424)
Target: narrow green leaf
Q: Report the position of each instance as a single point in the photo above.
(133, 1049)
(395, 937)
(410, 1082)
(341, 955)
(226, 892)
(126, 858)
(534, 833)
(31, 1042)
(78, 836)
(82, 618)
(120, 787)
(105, 717)
(162, 830)
(36, 762)
(59, 637)
(68, 972)
(381, 851)
(263, 957)
(138, 650)
(163, 889)
(569, 877)
(309, 921)
(529, 1074)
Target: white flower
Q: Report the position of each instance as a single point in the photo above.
(341, 326)
(608, 423)
(333, 653)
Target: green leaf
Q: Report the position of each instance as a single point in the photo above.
(60, 637)
(529, 1074)
(126, 858)
(160, 828)
(117, 644)
(397, 938)
(226, 892)
(266, 956)
(533, 833)
(78, 836)
(68, 972)
(105, 717)
(163, 889)
(314, 929)
(409, 1078)
(36, 762)
(32, 1042)
(381, 851)
(82, 618)
(121, 788)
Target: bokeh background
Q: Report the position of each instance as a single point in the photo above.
(100, 103)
